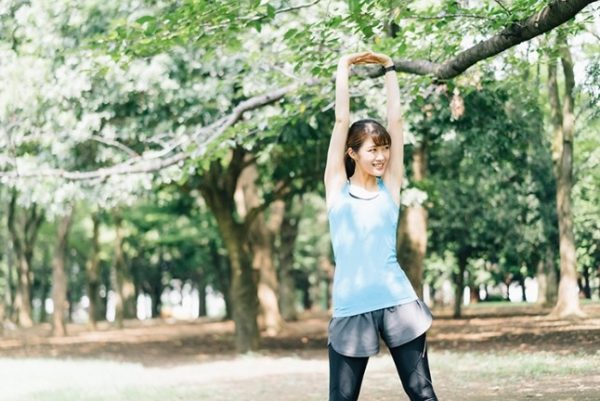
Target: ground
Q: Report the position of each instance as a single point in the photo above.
(493, 353)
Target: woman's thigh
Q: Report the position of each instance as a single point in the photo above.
(413, 368)
(345, 376)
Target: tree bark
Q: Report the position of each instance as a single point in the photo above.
(59, 277)
(587, 290)
(261, 237)
(223, 273)
(9, 296)
(287, 285)
(202, 298)
(92, 270)
(412, 229)
(542, 282)
(459, 282)
(23, 245)
(121, 279)
(563, 126)
(218, 188)
(552, 275)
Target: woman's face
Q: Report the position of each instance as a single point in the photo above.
(370, 158)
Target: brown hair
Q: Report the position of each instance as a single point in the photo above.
(357, 134)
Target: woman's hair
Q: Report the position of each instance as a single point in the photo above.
(357, 134)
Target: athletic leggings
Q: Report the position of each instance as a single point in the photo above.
(346, 373)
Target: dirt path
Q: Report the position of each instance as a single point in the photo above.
(522, 355)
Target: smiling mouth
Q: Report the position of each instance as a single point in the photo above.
(378, 165)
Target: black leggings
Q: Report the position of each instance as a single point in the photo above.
(346, 373)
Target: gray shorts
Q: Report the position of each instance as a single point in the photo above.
(358, 336)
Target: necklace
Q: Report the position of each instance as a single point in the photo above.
(360, 192)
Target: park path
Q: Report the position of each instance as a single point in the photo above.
(518, 354)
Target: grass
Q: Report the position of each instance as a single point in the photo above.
(268, 378)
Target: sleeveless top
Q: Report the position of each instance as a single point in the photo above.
(363, 234)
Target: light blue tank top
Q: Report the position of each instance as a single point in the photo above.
(367, 274)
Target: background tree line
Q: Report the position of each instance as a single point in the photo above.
(187, 141)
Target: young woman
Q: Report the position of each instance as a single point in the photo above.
(372, 296)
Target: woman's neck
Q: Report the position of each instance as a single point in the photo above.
(366, 181)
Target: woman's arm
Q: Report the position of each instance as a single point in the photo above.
(395, 171)
(335, 172)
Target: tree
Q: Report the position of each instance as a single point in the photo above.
(563, 126)
(59, 280)
(109, 112)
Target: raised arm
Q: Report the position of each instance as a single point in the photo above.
(335, 172)
(395, 171)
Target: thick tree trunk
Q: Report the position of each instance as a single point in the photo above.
(261, 237)
(92, 270)
(564, 125)
(412, 229)
(59, 277)
(23, 245)
(285, 252)
(218, 188)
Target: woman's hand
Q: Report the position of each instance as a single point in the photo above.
(355, 58)
(379, 58)
(366, 58)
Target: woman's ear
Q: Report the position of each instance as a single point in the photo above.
(351, 154)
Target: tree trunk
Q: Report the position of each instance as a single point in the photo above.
(285, 252)
(23, 245)
(156, 292)
(459, 282)
(218, 188)
(586, 288)
(552, 277)
(223, 273)
(412, 229)
(45, 284)
(542, 282)
(261, 237)
(9, 295)
(522, 285)
(563, 125)
(202, 298)
(92, 270)
(59, 277)
(121, 279)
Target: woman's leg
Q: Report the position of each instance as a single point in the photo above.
(413, 369)
(345, 376)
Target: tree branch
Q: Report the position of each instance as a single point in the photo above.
(115, 144)
(554, 14)
(445, 16)
(154, 161)
(282, 189)
(503, 7)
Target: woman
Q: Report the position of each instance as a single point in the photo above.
(372, 296)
